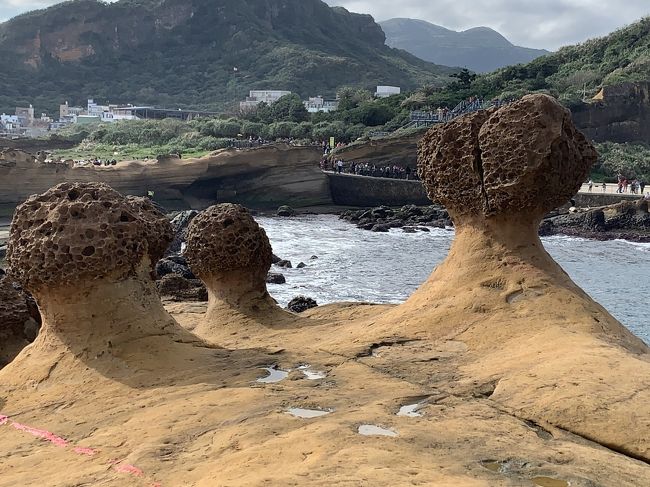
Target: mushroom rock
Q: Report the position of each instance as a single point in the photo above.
(231, 254)
(85, 253)
(519, 323)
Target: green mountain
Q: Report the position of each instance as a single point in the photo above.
(480, 49)
(195, 53)
(574, 72)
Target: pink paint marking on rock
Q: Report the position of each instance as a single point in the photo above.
(130, 469)
(45, 435)
(3, 419)
(85, 451)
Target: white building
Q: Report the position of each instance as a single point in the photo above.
(386, 91)
(319, 104)
(255, 97)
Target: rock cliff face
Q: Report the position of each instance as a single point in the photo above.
(259, 178)
(620, 114)
(401, 151)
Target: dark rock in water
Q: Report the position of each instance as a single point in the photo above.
(438, 224)
(301, 303)
(179, 288)
(286, 211)
(2, 272)
(180, 223)
(545, 228)
(380, 227)
(275, 278)
(20, 319)
(409, 215)
(409, 229)
(382, 212)
(313, 257)
(286, 264)
(301, 265)
(423, 229)
(628, 220)
(3, 251)
(275, 259)
(594, 220)
(174, 265)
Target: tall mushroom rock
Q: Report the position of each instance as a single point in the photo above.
(231, 254)
(556, 355)
(86, 254)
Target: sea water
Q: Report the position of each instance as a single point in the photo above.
(358, 265)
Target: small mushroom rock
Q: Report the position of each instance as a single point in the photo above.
(231, 254)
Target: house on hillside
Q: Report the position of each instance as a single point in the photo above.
(319, 104)
(386, 91)
(255, 97)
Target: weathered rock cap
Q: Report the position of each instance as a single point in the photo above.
(224, 238)
(526, 157)
(80, 231)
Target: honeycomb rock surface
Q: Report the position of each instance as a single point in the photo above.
(81, 231)
(224, 238)
(450, 158)
(533, 156)
(159, 231)
(523, 156)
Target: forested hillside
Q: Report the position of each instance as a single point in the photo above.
(195, 53)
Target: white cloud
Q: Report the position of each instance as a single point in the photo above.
(533, 23)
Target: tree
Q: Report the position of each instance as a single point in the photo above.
(350, 98)
(289, 108)
(464, 77)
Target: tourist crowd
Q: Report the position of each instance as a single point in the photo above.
(366, 169)
(633, 186)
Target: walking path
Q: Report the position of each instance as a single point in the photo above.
(611, 188)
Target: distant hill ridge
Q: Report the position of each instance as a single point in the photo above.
(479, 49)
(184, 52)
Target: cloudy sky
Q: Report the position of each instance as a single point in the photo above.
(545, 24)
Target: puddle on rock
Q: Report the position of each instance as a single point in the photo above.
(549, 482)
(374, 430)
(491, 465)
(410, 410)
(275, 375)
(311, 374)
(307, 413)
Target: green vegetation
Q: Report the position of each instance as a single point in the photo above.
(569, 74)
(359, 117)
(630, 160)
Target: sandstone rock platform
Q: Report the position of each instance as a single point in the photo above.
(498, 371)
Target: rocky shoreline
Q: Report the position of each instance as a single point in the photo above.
(628, 220)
